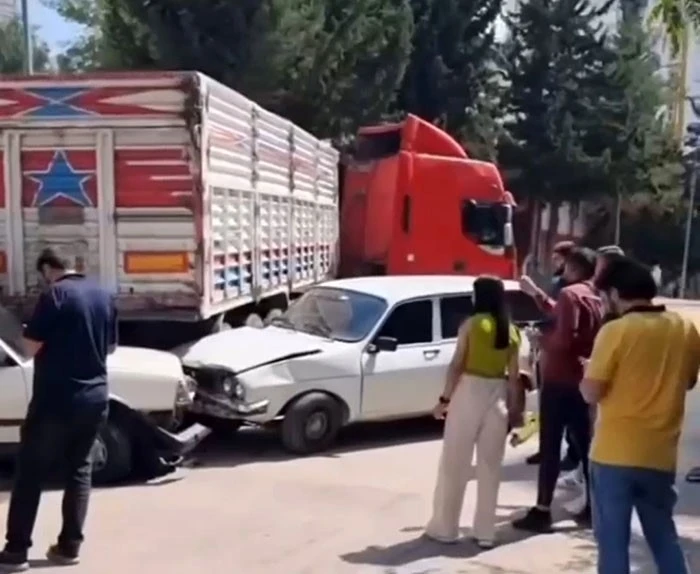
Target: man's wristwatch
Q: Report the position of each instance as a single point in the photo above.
(444, 400)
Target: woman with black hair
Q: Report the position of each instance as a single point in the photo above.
(480, 400)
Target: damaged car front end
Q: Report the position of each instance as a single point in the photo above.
(220, 394)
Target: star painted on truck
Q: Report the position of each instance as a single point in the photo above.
(61, 180)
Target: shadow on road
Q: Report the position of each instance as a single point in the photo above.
(422, 548)
(251, 445)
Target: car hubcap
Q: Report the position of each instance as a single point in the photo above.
(316, 425)
(99, 455)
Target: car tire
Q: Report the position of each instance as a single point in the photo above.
(112, 454)
(311, 423)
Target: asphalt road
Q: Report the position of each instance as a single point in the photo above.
(360, 509)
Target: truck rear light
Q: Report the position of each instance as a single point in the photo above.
(142, 262)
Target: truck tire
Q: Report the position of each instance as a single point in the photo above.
(112, 454)
(272, 314)
(254, 320)
(311, 423)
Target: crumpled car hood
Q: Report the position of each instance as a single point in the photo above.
(247, 347)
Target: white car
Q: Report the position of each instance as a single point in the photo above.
(148, 393)
(349, 350)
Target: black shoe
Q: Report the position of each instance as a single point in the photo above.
(536, 520)
(62, 556)
(13, 561)
(533, 458)
(568, 464)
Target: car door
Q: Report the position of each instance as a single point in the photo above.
(405, 381)
(14, 396)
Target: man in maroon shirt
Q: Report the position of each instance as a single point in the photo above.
(576, 316)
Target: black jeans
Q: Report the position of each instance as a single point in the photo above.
(562, 408)
(48, 440)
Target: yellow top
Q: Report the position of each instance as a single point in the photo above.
(483, 359)
(645, 361)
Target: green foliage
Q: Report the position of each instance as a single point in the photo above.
(12, 49)
(644, 158)
(450, 79)
(677, 18)
(325, 64)
(556, 61)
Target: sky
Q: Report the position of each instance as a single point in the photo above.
(52, 28)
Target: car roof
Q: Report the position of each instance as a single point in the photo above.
(396, 288)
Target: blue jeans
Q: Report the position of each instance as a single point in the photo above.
(616, 491)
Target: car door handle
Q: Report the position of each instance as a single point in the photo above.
(431, 354)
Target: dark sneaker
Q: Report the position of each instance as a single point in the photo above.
(533, 458)
(13, 561)
(536, 520)
(61, 556)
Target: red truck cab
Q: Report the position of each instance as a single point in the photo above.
(415, 203)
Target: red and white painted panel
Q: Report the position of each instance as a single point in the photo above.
(115, 198)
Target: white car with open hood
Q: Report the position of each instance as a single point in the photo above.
(148, 393)
(349, 350)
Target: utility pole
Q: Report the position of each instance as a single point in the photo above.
(693, 141)
(28, 48)
(689, 223)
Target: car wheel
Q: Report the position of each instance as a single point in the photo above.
(311, 423)
(112, 459)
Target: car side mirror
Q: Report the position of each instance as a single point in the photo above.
(383, 344)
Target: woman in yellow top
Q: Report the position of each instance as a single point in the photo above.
(482, 397)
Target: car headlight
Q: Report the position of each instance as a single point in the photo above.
(231, 387)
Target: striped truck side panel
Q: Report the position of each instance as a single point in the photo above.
(181, 194)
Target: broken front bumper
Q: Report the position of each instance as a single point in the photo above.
(223, 407)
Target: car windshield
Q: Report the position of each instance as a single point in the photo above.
(11, 332)
(334, 313)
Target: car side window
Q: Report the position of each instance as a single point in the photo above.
(523, 308)
(453, 311)
(410, 323)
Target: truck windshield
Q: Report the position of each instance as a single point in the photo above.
(485, 223)
(335, 313)
(11, 332)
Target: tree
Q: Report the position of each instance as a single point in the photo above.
(12, 52)
(451, 79)
(325, 64)
(677, 18)
(555, 62)
(644, 158)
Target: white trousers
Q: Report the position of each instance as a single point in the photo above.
(477, 418)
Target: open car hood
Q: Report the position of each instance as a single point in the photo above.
(245, 348)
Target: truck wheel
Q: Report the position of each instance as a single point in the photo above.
(272, 314)
(311, 423)
(112, 460)
(254, 320)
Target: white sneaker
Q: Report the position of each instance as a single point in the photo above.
(573, 479)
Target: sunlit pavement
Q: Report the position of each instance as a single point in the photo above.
(248, 508)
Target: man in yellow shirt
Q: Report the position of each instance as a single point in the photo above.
(641, 367)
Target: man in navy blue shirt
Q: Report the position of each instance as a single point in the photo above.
(70, 334)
